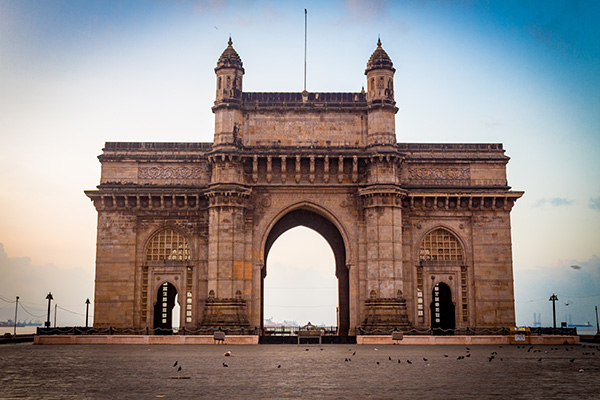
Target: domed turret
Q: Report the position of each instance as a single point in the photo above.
(229, 72)
(380, 98)
(230, 58)
(379, 59)
(380, 77)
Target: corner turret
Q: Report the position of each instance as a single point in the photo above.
(380, 98)
(228, 115)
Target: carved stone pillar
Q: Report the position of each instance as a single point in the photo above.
(228, 267)
(385, 308)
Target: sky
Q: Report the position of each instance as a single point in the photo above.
(74, 75)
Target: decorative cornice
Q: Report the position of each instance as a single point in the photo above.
(473, 201)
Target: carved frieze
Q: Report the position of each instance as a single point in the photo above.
(171, 173)
(439, 176)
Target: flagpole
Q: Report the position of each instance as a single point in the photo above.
(305, 19)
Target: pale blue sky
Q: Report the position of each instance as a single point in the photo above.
(76, 74)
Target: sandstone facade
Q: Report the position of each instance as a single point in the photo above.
(406, 221)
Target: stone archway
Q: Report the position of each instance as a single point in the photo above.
(323, 226)
(163, 308)
(442, 310)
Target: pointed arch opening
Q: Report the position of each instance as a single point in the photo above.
(325, 228)
(166, 315)
(442, 310)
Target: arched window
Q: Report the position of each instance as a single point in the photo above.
(167, 244)
(440, 245)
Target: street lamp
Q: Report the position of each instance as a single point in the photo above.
(553, 299)
(87, 309)
(49, 298)
(16, 307)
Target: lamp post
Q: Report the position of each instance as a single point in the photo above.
(597, 324)
(16, 307)
(49, 298)
(87, 309)
(553, 299)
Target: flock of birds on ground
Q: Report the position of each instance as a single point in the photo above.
(493, 356)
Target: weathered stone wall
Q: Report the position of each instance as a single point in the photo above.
(304, 128)
(115, 270)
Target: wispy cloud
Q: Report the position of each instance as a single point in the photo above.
(595, 203)
(554, 202)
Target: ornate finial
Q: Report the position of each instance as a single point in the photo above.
(378, 41)
(230, 42)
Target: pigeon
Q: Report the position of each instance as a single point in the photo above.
(390, 358)
(398, 361)
(424, 359)
(279, 366)
(580, 370)
(179, 369)
(468, 355)
(377, 362)
(354, 353)
(408, 361)
(228, 354)
(445, 355)
(225, 365)
(571, 360)
(539, 360)
(174, 365)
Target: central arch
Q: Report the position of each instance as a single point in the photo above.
(322, 225)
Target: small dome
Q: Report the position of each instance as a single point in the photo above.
(379, 59)
(230, 58)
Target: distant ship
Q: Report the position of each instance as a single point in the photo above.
(586, 325)
(10, 323)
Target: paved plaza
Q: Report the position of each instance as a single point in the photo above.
(298, 372)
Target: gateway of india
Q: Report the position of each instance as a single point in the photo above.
(420, 232)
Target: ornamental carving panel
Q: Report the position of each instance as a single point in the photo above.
(439, 176)
(171, 173)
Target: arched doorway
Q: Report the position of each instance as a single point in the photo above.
(322, 225)
(442, 310)
(301, 285)
(163, 309)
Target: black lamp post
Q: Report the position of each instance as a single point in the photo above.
(49, 298)
(597, 324)
(16, 307)
(553, 299)
(87, 309)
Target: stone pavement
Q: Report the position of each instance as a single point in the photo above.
(298, 372)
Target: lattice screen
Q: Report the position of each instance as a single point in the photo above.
(168, 245)
(440, 245)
